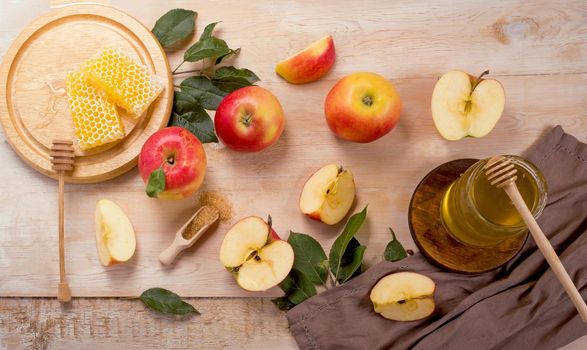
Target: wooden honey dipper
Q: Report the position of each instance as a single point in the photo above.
(62, 157)
(501, 173)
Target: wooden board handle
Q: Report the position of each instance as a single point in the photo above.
(546, 249)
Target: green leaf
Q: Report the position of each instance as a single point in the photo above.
(210, 47)
(309, 257)
(198, 123)
(207, 33)
(202, 90)
(394, 251)
(297, 287)
(232, 52)
(156, 183)
(184, 103)
(174, 26)
(338, 249)
(231, 78)
(352, 260)
(166, 302)
(283, 303)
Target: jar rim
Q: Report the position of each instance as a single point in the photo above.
(476, 170)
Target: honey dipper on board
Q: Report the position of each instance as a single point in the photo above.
(62, 157)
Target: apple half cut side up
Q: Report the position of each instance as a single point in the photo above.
(115, 236)
(465, 106)
(328, 194)
(404, 296)
(256, 256)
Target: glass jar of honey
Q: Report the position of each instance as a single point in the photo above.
(478, 214)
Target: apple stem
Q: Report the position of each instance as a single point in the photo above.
(176, 68)
(468, 102)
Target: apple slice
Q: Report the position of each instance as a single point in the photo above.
(256, 256)
(328, 195)
(464, 106)
(404, 296)
(310, 64)
(115, 236)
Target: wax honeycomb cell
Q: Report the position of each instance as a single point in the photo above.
(128, 83)
(94, 115)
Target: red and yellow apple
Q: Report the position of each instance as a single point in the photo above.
(362, 107)
(249, 119)
(115, 236)
(255, 255)
(404, 296)
(328, 194)
(310, 64)
(463, 105)
(181, 157)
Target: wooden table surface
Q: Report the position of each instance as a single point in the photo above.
(537, 49)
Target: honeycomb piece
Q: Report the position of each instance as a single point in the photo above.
(128, 83)
(94, 115)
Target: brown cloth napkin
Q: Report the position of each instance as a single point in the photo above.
(518, 306)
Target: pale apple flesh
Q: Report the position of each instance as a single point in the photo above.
(404, 296)
(310, 64)
(253, 252)
(462, 108)
(115, 236)
(328, 194)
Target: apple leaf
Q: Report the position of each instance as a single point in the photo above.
(339, 248)
(232, 52)
(394, 251)
(175, 25)
(309, 257)
(207, 33)
(202, 90)
(209, 47)
(351, 262)
(184, 103)
(230, 78)
(198, 122)
(297, 287)
(156, 183)
(166, 302)
(283, 303)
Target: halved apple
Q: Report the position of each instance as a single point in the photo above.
(328, 194)
(115, 236)
(310, 64)
(466, 106)
(256, 256)
(404, 296)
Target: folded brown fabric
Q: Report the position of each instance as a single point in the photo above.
(519, 306)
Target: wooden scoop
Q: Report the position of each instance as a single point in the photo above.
(190, 232)
(502, 173)
(62, 157)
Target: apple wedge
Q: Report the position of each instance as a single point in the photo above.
(328, 194)
(404, 296)
(310, 64)
(256, 256)
(115, 236)
(464, 106)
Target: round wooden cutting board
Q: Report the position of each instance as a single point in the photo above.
(33, 105)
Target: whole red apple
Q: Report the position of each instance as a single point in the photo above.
(362, 107)
(180, 156)
(249, 119)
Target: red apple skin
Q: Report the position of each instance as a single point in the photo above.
(249, 119)
(273, 236)
(310, 64)
(348, 115)
(182, 157)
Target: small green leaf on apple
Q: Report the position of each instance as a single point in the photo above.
(309, 257)
(202, 90)
(230, 78)
(338, 250)
(197, 122)
(166, 302)
(175, 25)
(156, 183)
(394, 251)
